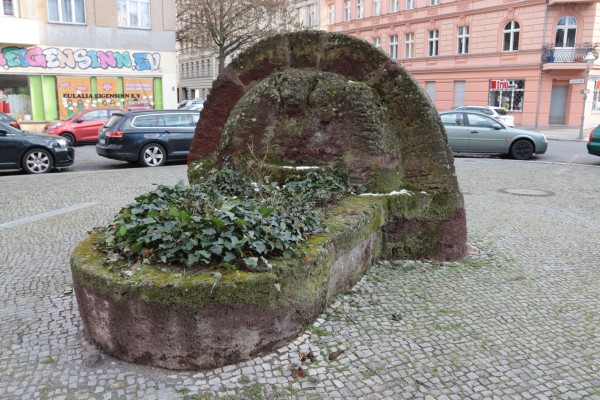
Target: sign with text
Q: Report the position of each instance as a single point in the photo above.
(74, 95)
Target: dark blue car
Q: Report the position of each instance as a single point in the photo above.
(150, 137)
(35, 153)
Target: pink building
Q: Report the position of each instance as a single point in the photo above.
(528, 56)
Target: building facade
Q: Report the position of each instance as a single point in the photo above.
(536, 58)
(61, 56)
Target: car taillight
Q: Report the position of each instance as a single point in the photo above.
(591, 136)
(114, 134)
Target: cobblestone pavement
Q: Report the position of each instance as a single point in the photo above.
(518, 319)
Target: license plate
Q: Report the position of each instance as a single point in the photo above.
(102, 141)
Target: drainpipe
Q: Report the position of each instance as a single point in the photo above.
(539, 93)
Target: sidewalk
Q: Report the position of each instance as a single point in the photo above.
(517, 319)
(565, 133)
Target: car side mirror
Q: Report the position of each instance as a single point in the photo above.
(79, 120)
(497, 126)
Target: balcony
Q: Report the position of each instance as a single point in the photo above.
(19, 31)
(567, 58)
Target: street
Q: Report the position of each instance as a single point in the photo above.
(559, 151)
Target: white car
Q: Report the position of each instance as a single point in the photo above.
(498, 113)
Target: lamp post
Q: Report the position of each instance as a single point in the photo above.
(589, 58)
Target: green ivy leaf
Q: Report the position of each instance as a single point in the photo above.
(266, 211)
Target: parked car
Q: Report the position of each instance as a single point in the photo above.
(190, 103)
(498, 113)
(593, 146)
(472, 132)
(35, 153)
(150, 138)
(7, 119)
(82, 126)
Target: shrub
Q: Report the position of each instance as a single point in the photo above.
(227, 220)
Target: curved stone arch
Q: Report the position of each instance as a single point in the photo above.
(426, 160)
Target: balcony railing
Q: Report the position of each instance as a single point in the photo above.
(575, 54)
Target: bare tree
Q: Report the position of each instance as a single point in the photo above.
(227, 26)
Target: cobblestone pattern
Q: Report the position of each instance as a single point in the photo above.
(518, 319)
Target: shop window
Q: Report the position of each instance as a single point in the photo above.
(14, 95)
(409, 45)
(566, 30)
(507, 94)
(331, 14)
(67, 11)
(134, 13)
(433, 43)
(394, 47)
(511, 36)
(376, 7)
(7, 8)
(394, 5)
(463, 40)
(596, 100)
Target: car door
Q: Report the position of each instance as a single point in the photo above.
(458, 133)
(91, 122)
(486, 135)
(180, 128)
(11, 148)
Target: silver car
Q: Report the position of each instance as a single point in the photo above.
(472, 132)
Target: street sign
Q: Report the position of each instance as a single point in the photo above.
(576, 80)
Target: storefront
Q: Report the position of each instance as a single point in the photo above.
(41, 84)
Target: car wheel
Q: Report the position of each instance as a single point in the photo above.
(37, 161)
(153, 155)
(522, 149)
(69, 137)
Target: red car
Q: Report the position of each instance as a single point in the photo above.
(83, 126)
(7, 119)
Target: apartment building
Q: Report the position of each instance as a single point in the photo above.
(61, 56)
(536, 58)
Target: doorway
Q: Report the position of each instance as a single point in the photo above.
(558, 105)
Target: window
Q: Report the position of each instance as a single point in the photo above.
(433, 43)
(347, 10)
(376, 7)
(394, 47)
(480, 120)
(409, 45)
(463, 40)
(596, 100)
(311, 15)
(410, 4)
(507, 94)
(376, 42)
(459, 93)
(94, 115)
(68, 11)
(359, 9)
(134, 13)
(453, 119)
(511, 36)
(6, 7)
(566, 30)
(430, 89)
(394, 5)
(331, 14)
(434, 2)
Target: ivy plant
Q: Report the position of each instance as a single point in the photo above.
(227, 220)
